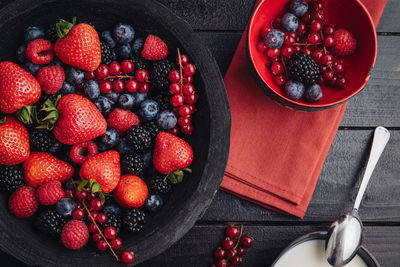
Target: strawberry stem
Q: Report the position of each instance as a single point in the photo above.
(63, 27)
(26, 114)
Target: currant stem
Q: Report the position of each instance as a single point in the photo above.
(284, 67)
(118, 77)
(240, 235)
(306, 44)
(180, 67)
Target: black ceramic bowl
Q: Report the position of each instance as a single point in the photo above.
(210, 140)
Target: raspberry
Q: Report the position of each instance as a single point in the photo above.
(75, 234)
(344, 43)
(122, 120)
(51, 78)
(154, 48)
(50, 193)
(40, 51)
(81, 152)
(23, 203)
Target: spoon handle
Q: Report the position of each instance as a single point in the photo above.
(381, 137)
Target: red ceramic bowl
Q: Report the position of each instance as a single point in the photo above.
(349, 14)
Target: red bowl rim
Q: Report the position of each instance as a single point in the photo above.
(314, 105)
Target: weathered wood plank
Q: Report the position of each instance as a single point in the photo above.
(196, 248)
(336, 188)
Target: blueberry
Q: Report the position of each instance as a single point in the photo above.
(91, 89)
(67, 88)
(102, 147)
(138, 98)
(110, 138)
(166, 119)
(126, 101)
(123, 147)
(289, 22)
(74, 76)
(137, 46)
(124, 51)
(21, 54)
(32, 68)
(154, 203)
(147, 158)
(104, 105)
(274, 39)
(113, 96)
(111, 209)
(123, 33)
(106, 37)
(298, 7)
(65, 206)
(313, 93)
(294, 90)
(149, 109)
(68, 185)
(33, 33)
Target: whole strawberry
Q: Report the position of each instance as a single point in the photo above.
(122, 120)
(154, 48)
(75, 234)
(344, 43)
(78, 46)
(14, 142)
(51, 78)
(131, 192)
(17, 87)
(42, 167)
(23, 203)
(104, 168)
(50, 193)
(79, 120)
(172, 155)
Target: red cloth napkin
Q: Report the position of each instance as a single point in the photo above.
(276, 153)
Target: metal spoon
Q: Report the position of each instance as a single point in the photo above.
(345, 234)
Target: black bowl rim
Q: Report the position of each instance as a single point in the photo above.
(220, 122)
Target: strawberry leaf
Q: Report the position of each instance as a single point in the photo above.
(26, 114)
(102, 197)
(63, 27)
(96, 187)
(188, 170)
(2, 120)
(172, 178)
(82, 184)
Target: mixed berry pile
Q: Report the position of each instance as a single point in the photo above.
(89, 131)
(304, 52)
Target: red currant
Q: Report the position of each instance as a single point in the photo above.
(131, 85)
(323, 68)
(220, 253)
(78, 205)
(174, 76)
(102, 71)
(297, 48)
(317, 55)
(328, 42)
(264, 30)
(89, 75)
(144, 87)
(316, 5)
(277, 23)
(184, 111)
(316, 26)
(280, 80)
(188, 89)
(191, 99)
(328, 75)
(187, 79)
(127, 256)
(96, 237)
(228, 243)
(287, 51)
(78, 214)
(118, 85)
(189, 69)
(81, 195)
(102, 245)
(338, 68)
(289, 40)
(306, 17)
(95, 204)
(342, 83)
(222, 263)
(246, 241)
(92, 228)
(188, 129)
(232, 231)
(101, 218)
(293, 35)
(92, 195)
(174, 131)
(306, 51)
(94, 214)
(327, 59)
(236, 260)
(302, 28)
(231, 253)
(333, 81)
(142, 76)
(277, 68)
(115, 68)
(174, 88)
(329, 30)
(116, 243)
(127, 66)
(110, 232)
(192, 109)
(318, 15)
(262, 47)
(105, 87)
(314, 38)
(273, 53)
(177, 100)
(69, 193)
(240, 251)
(184, 121)
(184, 60)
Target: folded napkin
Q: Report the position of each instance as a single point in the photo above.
(276, 153)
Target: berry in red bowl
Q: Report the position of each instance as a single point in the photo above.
(329, 43)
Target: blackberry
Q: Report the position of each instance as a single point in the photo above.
(140, 63)
(132, 164)
(133, 220)
(159, 74)
(11, 177)
(303, 68)
(51, 34)
(157, 186)
(50, 222)
(138, 138)
(163, 100)
(153, 129)
(107, 54)
(114, 221)
(44, 141)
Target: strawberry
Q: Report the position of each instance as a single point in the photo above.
(79, 120)
(14, 142)
(23, 203)
(78, 46)
(42, 167)
(17, 87)
(50, 193)
(51, 78)
(131, 192)
(122, 120)
(75, 234)
(171, 153)
(154, 48)
(103, 168)
(344, 43)
(40, 51)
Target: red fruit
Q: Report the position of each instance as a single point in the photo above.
(127, 256)
(104, 168)
(154, 48)
(184, 111)
(329, 41)
(342, 83)
(78, 214)
(40, 51)
(188, 129)
(174, 131)
(220, 253)
(317, 55)
(189, 69)
(188, 89)
(115, 68)
(246, 241)
(92, 228)
(102, 71)
(174, 76)
(184, 121)
(183, 60)
(95, 205)
(344, 43)
(105, 87)
(42, 167)
(232, 231)
(79, 120)
(127, 66)
(329, 30)
(75, 234)
(116, 243)
(23, 203)
(316, 26)
(314, 38)
(277, 68)
(228, 243)
(89, 75)
(302, 28)
(110, 232)
(240, 251)
(177, 100)
(122, 120)
(171, 153)
(131, 192)
(14, 142)
(101, 217)
(80, 153)
(327, 59)
(17, 87)
(79, 47)
(102, 245)
(81, 195)
(51, 78)
(187, 79)
(273, 53)
(279, 80)
(142, 76)
(97, 237)
(131, 85)
(144, 87)
(174, 88)
(287, 51)
(264, 30)
(191, 99)
(50, 193)
(118, 85)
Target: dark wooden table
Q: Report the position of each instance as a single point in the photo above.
(220, 24)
